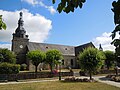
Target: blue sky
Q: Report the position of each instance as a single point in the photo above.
(92, 23)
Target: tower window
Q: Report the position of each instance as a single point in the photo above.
(65, 48)
(46, 47)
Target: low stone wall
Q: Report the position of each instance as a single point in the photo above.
(22, 76)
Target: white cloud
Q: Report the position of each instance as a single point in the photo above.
(5, 46)
(39, 2)
(105, 40)
(33, 2)
(36, 26)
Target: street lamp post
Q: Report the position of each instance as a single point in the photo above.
(60, 70)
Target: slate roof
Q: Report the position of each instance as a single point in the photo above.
(64, 49)
(80, 48)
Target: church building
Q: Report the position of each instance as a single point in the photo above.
(21, 45)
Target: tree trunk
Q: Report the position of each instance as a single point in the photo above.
(107, 67)
(35, 69)
(90, 75)
(51, 68)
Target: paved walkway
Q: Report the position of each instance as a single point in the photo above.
(101, 79)
(107, 81)
(4, 83)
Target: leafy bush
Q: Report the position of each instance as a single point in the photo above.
(23, 67)
(7, 68)
(7, 56)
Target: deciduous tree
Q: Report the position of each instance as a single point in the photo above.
(116, 11)
(69, 5)
(36, 57)
(52, 57)
(110, 58)
(2, 24)
(91, 60)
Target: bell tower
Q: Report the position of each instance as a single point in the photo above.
(20, 41)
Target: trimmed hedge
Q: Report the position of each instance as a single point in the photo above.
(7, 68)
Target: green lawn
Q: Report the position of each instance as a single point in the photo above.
(56, 85)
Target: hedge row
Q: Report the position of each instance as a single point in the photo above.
(7, 68)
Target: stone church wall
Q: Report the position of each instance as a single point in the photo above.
(68, 62)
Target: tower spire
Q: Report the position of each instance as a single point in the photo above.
(100, 48)
(20, 31)
(20, 23)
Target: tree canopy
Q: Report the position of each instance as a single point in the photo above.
(116, 11)
(52, 57)
(110, 58)
(2, 24)
(90, 60)
(69, 5)
(36, 57)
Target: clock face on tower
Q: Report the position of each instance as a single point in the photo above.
(21, 46)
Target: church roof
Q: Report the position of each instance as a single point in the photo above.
(64, 49)
(80, 48)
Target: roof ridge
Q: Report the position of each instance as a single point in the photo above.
(85, 44)
(52, 44)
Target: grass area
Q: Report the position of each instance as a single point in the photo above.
(56, 85)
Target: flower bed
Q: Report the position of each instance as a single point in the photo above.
(114, 78)
(76, 79)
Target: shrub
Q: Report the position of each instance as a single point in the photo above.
(23, 67)
(7, 56)
(7, 68)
